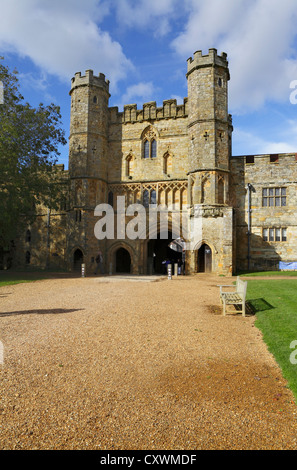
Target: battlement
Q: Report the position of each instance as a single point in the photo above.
(210, 59)
(89, 79)
(150, 111)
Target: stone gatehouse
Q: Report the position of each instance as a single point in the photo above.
(176, 154)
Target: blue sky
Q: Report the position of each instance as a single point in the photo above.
(142, 47)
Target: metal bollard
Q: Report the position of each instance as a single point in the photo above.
(169, 271)
(110, 269)
(175, 269)
(83, 266)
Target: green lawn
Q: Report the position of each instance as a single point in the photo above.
(269, 273)
(14, 277)
(275, 305)
(9, 281)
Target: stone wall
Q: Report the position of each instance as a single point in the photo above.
(267, 171)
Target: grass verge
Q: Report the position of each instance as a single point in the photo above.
(268, 273)
(275, 305)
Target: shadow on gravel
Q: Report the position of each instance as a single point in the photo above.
(49, 311)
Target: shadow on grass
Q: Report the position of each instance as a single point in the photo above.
(49, 311)
(257, 305)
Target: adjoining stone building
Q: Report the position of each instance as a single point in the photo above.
(176, 154)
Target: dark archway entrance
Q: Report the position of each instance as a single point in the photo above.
(204, 259)
(158, 251)
(123, 261)
(78, 259)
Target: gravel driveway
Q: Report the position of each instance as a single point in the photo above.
(101, 363)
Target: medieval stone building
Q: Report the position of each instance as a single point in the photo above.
(177, 154)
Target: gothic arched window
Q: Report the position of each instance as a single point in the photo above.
(149, 138)
(153, 148)
(146, 149)
(146, 198)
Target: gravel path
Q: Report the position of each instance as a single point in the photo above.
(91, 364)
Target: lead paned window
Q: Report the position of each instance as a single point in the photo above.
(265, 234)
(153, 149)
(146, 149)
(284, 234)
(278, 234)
(274, 197)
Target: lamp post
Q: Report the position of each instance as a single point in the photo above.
(250, 189)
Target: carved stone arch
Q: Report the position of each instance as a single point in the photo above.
(206, 241)
(149, 133)
(112, 255)
(198, 247)
(77, 257)
(167, 162)
(129, 164)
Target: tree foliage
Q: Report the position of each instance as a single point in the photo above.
(29, 149)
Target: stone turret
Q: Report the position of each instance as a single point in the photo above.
(209, 125)
(88, 160)
(88, 126)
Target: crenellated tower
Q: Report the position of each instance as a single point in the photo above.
(89, 134)
(209, 126)
(88, 160)
(209, 137)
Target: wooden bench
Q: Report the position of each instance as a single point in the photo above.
(237, 297)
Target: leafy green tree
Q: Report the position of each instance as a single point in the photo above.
(29, 149)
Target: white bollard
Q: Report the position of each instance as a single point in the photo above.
(169, 271)
(175, 269)
(83, 266)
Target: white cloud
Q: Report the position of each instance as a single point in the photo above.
(155, 15)
(253, 144)
(62, 37)
(258, 36)
(141, 92)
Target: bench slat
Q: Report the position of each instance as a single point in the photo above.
(234, 298)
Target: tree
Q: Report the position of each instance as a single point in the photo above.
(29, 143)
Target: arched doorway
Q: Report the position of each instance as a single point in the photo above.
(78, 259)
(158, 251)
(123, 261)
(204, 259)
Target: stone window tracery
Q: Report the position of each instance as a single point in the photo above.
(149, 138)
